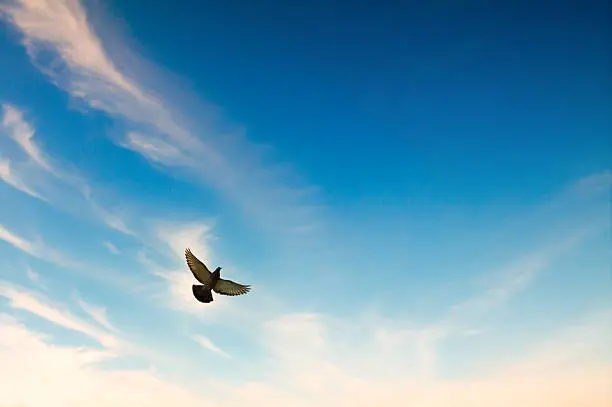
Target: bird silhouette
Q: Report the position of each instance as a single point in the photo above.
(211, 281)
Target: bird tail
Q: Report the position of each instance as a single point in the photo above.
(202, 294)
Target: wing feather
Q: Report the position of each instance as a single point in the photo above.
(199, 269)
(229, 287)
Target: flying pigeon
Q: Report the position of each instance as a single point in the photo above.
(211, 281)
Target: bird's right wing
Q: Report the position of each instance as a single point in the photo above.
(199, 269)
(228, 287)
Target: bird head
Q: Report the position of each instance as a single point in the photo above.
(217, 270)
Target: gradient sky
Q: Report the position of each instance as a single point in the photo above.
(418, 195)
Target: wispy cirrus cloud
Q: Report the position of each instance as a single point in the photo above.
(28, 301)
(98, 314)
(593, 185)
(39, 249)
(33, 276)
(326, 364)
(111, 247)
(85, 69)
(311, 360)
(208, 344)
(36, 248)
(64, 375)
(63, 186)
(22, 133)
(12, 178)
(517, 277)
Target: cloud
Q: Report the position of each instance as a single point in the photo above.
(33, 276)
(318, 361)
(313, 359)
(68, 376)
(13, 179)
(112, 220)
(208, 344)
(98, 314)
(111, 248)
(593, 185)
(18, 242)
(22, 133)
(178, 236)
(36, 249)
(28, 301)
(175, 237)
(153, 149)
(83, 67)
(65, 188)
(175, 292)
(517, 277)
(582, 344)
(41, 251)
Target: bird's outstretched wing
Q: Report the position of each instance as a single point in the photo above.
(228, 287)
(199, 269)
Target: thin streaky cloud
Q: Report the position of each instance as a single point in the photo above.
(18, 242)
(69, 375)
(22, 133)
(208, 344)
(33, 276)
(111, 247)
(519, 276)
(98, 314)
(36, 249)
(10, 177)
(28, 301)
(43, 252)
(87, 72)
(177, 236)
(593, 185)
(585, 342)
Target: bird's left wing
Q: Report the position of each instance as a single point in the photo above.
(228, 287)
(199, 269)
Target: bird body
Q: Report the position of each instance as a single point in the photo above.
(211, 281)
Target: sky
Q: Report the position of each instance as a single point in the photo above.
(418, 194)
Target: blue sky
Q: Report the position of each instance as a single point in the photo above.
(419, 196)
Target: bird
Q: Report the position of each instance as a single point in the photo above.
(211, 281)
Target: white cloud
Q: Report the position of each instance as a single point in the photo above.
(33, 276)
(65, 188)
(154, 149)
(593, 185)
(177, 280)
(311, 360)
(514, 279)
(111, 248)
(68, 376)
(18, 242)
(112, 220)
(21, 131)
(582, 344)
(178, 236)
(115, 222)
(98, 314)
(41, 251)
(28, 301)
(176, 294)
(208, 344)
(13, 179)
(36, 249)
(319, 361)
(165, 136)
